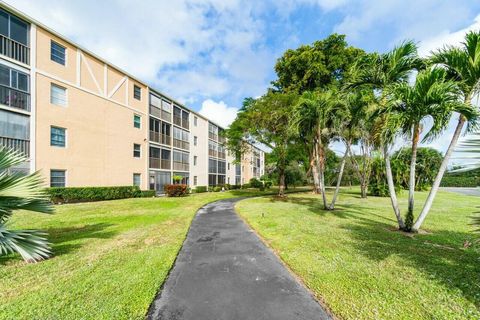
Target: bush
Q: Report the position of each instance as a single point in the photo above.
(86, 194)
(147, 193)
(217, 189)
(246, 186)
(268, 184)
(201, 189)
(234, 187)
(176, 190)
(378, 185)
(255, 183)
(459, 181)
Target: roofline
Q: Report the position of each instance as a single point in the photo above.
(31, 20)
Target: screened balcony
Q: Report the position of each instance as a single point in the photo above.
(14, 98)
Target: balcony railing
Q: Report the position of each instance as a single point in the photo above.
(177, 120)
(212, 153)
(14, 98)
(160, 138)
(221, 155)
(181, 144)
(180, 166)
(213, 136)
(167, 116)
(156, 163)
(17, 144)
(14, 50)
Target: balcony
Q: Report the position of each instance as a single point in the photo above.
(221, 155)
(160, 138)
(177, 120)
(180, 166)
(212, 136)
(181, 144)
(156, 163)
(14, 98)
(212, 153)
(17, 144)
(185, 124)
(14, 50)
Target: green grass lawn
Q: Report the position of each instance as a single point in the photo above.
(353, 261)
(110, 258)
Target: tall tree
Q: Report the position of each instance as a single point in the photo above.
(266, 120)
(463, 65)
(380, 72)
(21, 192)
(432, 97)
(316, 119)
(317, 66)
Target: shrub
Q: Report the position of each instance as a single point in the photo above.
(234, 187)
(147, 193)
(268, 184)
(459, 181)
(217, 189)
(86, 194)
(245, 186)
(176, 190)
(255, 183)
(200, 189)
(378, 180)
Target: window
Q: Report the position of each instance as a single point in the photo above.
(137, 92)
(57, 178)
(14, 125)
(221, 167)
(212, 166)
(136, 179)
(13, 28)
(57, 137)
(195, 180)
(195, 140)
(195, 119)
(137, 123)
(137, 150)
(58, 95)
(194, 160)
(57, 53)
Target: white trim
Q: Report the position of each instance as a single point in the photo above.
(115, 89)
(127, 88)
(79, 68)
(105, 79)
(89, 69)
(16, 110)
(53, 77)
(33, 97)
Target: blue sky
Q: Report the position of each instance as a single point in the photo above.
(210, 54)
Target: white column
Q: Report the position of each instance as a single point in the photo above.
(33, 96)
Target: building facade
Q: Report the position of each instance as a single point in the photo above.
(81, 121)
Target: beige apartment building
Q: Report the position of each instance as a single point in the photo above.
(84, 122)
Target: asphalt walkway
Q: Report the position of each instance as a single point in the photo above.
(224, 271)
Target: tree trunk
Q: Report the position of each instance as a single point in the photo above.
(316, 183)
(339, 178)
(363, 184)
(411, 182)
(391, 188)
(321, 176)
(436, 184)
(281, 182)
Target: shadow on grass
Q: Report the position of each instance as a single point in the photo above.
(65, 240)
(441, 255)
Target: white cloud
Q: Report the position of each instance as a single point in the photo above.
(218, 112)
(447, 38)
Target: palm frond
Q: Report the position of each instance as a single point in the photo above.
(30, 244)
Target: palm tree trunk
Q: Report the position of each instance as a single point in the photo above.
(391, 188)
(313, 168)
(411, 183)
(321, 176)
(436, 184)
(340, 174)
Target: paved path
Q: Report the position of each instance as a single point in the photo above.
(224, 271)
(466, 191)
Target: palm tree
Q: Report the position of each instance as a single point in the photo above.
(21, 192)
(432, 97)
(316, 115)
(463, 66)
(380, 72)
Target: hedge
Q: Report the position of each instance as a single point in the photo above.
(200, 189)
(87, 194)
(176, 190)
(460, 181)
